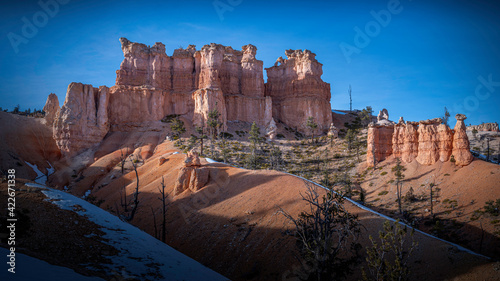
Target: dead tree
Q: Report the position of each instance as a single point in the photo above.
(134, 161)
(326, 234)
(123, 160)
(163, 198)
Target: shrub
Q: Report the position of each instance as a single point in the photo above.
(383, 193)
(388, 259)
(383, 173)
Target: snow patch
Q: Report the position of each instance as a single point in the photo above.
(40, 177)
(29, 268)
(137, 248)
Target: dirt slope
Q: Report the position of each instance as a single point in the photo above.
(233, 225)
(26, 139)
(459, 194)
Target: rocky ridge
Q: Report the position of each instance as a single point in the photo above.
(151, 85)
(427, 141)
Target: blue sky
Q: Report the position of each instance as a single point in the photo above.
(428, 55)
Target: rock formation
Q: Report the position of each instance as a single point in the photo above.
(492, 127)
(51, 109)
(461, 149)
(427, 141)
(379, 142)
(333, 132)
(151, 85)
(83, 119)
(410, 144)
(271, 130)
(298, 92)
(192, 176)
(428, 148)
(383, 115)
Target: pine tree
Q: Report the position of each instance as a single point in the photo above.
(312, 126)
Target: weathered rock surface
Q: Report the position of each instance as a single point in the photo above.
(410, 145)
(298, 92)
(428, 148)
(192, 176)
(426, 141)
(83, 119)
(445, 142)
(192, 159)
(492, 127)
(383, 115)
(461, 146)
(151, 85)
(333, 132)
(271, 130)
(379, 142)
(51, 109)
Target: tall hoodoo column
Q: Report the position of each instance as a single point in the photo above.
(83, 119)
(461, 146)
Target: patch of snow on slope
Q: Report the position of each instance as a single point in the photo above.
(29, 268)
(140, 254)
(40, 177)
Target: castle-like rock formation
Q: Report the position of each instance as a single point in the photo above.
(485, 127)
(151, 85)
(427, 141)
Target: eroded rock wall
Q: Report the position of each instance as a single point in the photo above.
(83, 119)
(298, 92)
(151, 85)
(427, 141)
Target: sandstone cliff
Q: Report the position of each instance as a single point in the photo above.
(51, 109)
(297, 90)
(83, 119)
(151, 85)
(427, 141)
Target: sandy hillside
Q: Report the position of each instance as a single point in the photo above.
(459, 195)
(233, 225)
(26, 139)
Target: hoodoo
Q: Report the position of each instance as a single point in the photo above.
(427, 141)
(151, 85)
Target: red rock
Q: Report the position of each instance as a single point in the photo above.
(192, 159)
(410, 146)
(445, 142)
(83, 120)
(428, 147)
(51, 109)
(379, 143)
(461, 146)
(151, 85)
(298, 92)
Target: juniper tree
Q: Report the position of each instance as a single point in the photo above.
(213, 126)
(254, 138)
(177, 127)
(312, 125)
(388, 259)
(398, 173)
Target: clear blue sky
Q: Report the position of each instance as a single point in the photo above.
(428, 55)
